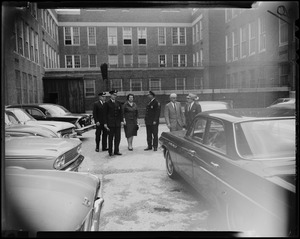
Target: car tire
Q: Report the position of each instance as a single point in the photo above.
(170, 166)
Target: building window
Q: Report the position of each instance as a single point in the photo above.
(113, 60)
(128, 60)
(27, 41)
(284, 74)
(180, 83)
(69, 61)
(179, 60)
(228, 15)
(161, 36)
(35, 89)
(283, 33)
(20, 38)
(112, 36)
(262, 34)
(44, 54)
(91, 36)
(198, 83)
(32, 45)
(252, 33)
(201, 57)
(178, 36)
(235, 12)
(50, 57)
(194, 37)
(155, 84)
(197, 58)
(92, 60)
(142, 35)
(252, 78)
(127, 35)
(162, 60)
(30, 89)
(243, 41)
(235, 46)
(18, 87)
(45, 19)
(197, 33)
(201, 31)
(47, 56)
(228, 49)
(117, 84)
(135, 85)
(77, 61)
(89, 88)
(36, 48)
(194, 60)
(143, 60)
(72, 36)
(24, 86)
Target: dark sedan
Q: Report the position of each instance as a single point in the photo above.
(243, 162)
(82, 122)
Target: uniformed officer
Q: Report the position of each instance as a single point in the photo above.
(98, 114)
(113, 122)
(152, 121)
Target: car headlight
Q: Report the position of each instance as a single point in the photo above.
(79, 149)
(59, 162)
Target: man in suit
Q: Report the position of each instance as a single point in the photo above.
(174, 115)
(192, 108)
(98, 114)
(152, 121)
(113, 121)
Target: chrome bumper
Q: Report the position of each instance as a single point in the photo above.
(85, 129)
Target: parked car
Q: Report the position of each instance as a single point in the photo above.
(19, 116)
(288, 103)
(48, 200)
(211, 105)
(82, 122)
(243, 162)
(28, 130)
(34, 152)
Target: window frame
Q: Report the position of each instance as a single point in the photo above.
(160, 62)
(140, 57)
(89, 59)
(176, 83)
(261, 35)
(127, 36)
(161, 36)
(153, 87)
(110, 57)
(243, 42)
(72, 36)
(286, 30)
(131, 59)
(178, 36)
(252, 38)
(111, 38)
(136, 81)
(89, 36)
(141, 36)
(92, 95)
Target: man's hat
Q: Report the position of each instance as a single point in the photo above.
(102, 93)
(192, 96)
(113, 92)
(151, 93)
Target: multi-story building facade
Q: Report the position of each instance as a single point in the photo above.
(55, 56)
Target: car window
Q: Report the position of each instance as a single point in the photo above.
(10, 118)
(35, 112)
(215, 136)
(266, 139)
(21, 115)
(198, 130)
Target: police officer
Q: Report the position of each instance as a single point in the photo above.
(152, 121)
(98, 114)
(113, 122)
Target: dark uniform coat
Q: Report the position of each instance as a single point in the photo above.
(190, 114)
(99, 115)
(152, 112)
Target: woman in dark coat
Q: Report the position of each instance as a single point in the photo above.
(130, 114)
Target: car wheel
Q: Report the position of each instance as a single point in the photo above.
(170, 166)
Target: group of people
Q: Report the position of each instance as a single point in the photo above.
(110, 115)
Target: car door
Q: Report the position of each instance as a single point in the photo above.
(208, 154)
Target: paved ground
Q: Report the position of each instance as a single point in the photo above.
(138, 194)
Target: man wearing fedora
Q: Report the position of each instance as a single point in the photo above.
(152, 121)
(174, 115)
(98, 114)
(192, 108)
(113, 121)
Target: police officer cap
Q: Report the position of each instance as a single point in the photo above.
(113, 92)
(151, 93)
(102, 93)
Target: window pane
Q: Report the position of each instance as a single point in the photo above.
(154, 84)
(92, 60)
(77, 61)
(69, 62)
(113, 60)
(136, 85)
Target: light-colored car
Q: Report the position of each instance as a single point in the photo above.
(19, 116)
(288, 103)
(49, 200)
(243, 162)
(34, 152)
(19, 130)
(207, 105)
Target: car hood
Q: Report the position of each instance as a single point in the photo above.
(280, 171)
(53, 125)
(37, 147)
(47, 200)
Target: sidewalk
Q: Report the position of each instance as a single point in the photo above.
(142, 121)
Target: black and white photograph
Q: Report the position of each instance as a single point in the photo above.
(149, 119)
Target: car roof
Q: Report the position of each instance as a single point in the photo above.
(250, 114)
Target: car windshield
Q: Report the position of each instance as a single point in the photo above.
(213, 106)
(56, 110)
(266, 139)
(20, 114)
